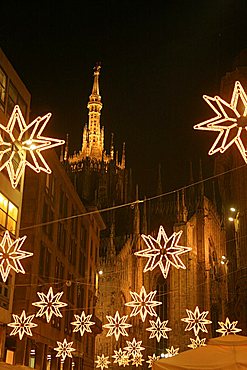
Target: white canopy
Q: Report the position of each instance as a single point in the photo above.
(223, 353)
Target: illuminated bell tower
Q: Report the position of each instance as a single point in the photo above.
(93, 135)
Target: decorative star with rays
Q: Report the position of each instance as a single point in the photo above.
(82, 323)
(64, 349)
(137, 360)
(11, 254)
(121, 357)
(22, 145)
(117, 325)
(230, 121)
(134, 348)
(163, 251)
(22, 325)
(152, 359)
(196, 321)
(143, 303)
(102, 361)
(197, 343)
(158, 329)
(228, 327)
(49, 304)
(172, 351)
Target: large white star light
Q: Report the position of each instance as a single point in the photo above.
(152, 359)
(228, 327)
(102, 362)
(49, 304)
(163, 251)
(82, 323)
(196, 321)
(137, 360)
(64, 349)
(158, 329)
(11, 254)
(195, 343)
(172, 351)
(230, 121)
(134, 348)
(120, 357)
(22, 145)
(143, 303)
(117, 325)
(22, 325)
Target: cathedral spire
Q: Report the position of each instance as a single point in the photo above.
(95, 89)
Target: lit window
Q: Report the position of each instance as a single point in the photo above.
(8, 214)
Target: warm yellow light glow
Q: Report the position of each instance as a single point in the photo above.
(14, 149)
(228, 327)
(117, 325)
(152, 359)
(64, 349)
(230, 121)
(232, 209)
(195, 343)
(22, 325)
(196, 320)
(230, 219)
(100, 272)
(158, 329)
(82, 323)
(134, 348)
(102, 362)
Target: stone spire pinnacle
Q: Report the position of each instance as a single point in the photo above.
(95, 89)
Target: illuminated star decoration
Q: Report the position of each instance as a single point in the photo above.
(134, 348)
(137, 360)
(22, 145)
(120, 357)
(152, 359)
(197, 343)
(82, 323)
(158, 329)
(102, 361)
(49, 304)
(117, 325)
(230, 121)
(143, 303)
(22, 325)
(11, 254)
(163, 251)
(228, 327)
(172, 351)
(196, 321)
(64, 349)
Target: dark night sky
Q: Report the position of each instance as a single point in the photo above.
(158, 59)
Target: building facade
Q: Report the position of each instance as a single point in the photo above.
(12, 92)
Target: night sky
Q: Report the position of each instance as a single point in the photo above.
(158, 59)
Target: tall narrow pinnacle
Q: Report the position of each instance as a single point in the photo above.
(123, 157)
(112, 146)
(95, 89)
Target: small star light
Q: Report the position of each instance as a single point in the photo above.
(22, 325)
(11, 254)
(49, 304)
(22, 145)
(230, 121)
(143, 303)
(82, 323)
(163, 251)
(137, 360)
(134, 348)
(228, 327)
(172, 351)
(197, 343)
(102, 362)
(196, 321)
(152, 359)
(117, 325)
(64, 349)
(158, 329)
(119, 357)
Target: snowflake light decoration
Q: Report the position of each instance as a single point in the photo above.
(102, 362)
(117, 325)
(49, 304)
(230, 121)
(163, 251)
(196, 321)
(158, 329)
(22, 145)
(197, 343)
(134, 348)
(137, 360)
(22, 325)
(64, 349)
(143, 303)
(82, 323)
(152, 359)
(228, 327)
(120, 357)
(11, 254)
(172, 351)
